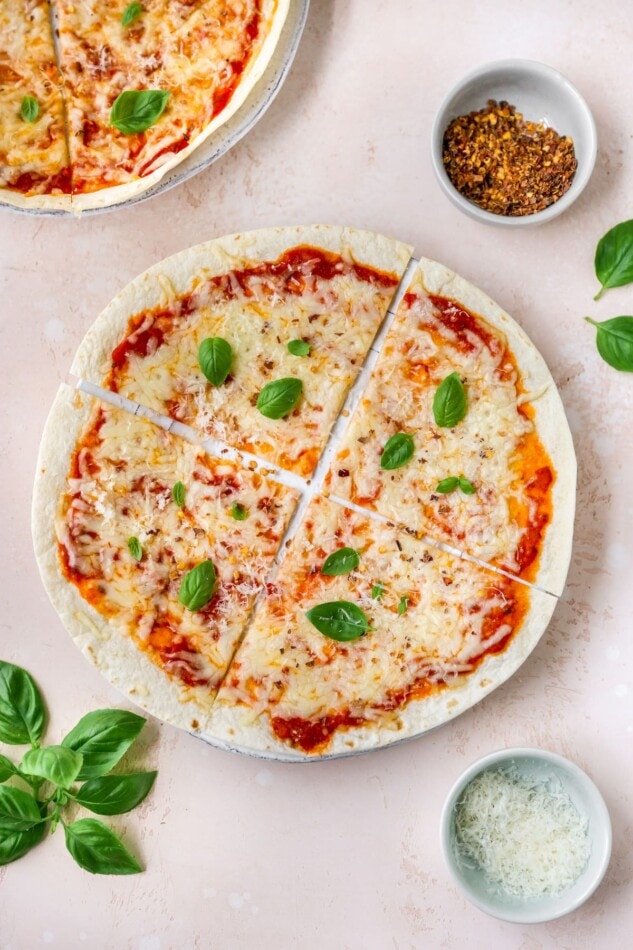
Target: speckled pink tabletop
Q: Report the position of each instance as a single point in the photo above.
(245, 854)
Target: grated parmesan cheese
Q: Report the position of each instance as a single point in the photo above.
(527, 836)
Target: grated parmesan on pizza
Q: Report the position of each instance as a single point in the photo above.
(434, 621)
(120, 484)
(495, 446)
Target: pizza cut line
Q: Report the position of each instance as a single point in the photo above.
(379, 624)
(130, 91)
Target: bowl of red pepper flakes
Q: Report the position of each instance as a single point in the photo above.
(514, 143)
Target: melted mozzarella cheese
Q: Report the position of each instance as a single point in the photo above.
(285, 668)
(34, 151)
(197, 52)
(127, 469)
(337, 317)
(485, 447)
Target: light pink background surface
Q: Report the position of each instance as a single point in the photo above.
(245, 854)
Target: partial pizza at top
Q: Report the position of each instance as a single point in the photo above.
(33, 152)
(152, 551)
(144, 85)
(458, 434)
(368, 636)
(253, 339)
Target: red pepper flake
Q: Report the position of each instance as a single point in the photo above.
(505, 164)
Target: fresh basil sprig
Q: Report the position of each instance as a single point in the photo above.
(279, 397)
(54, 763)
(87, 753)
(103, 737)
(341, 562)
(239, 512)
(448, 485)
(377, 591)
(22, 710)
(29, 109)
(403, 605)
(178, 494)
(196, 589)
(136, 110)
(130, 14)
(299, 348)
(135, 548)
(449, 403)
(398, 451)
(215, 356)
(114, 794)
(614, 340)
(339, 620)
(97, 849)
(614, 257)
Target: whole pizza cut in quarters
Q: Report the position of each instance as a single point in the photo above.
(152, 551)
(460, 434)
(253, 339)
(276, 532)
(368, 636)
(142, 85)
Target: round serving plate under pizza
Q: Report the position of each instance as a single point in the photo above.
(312, 496)
(229, 133)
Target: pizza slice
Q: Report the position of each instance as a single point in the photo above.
(34, 168)
(368, 636)
(253, 339)
(461, 435)
(151, 551)
(149, 81)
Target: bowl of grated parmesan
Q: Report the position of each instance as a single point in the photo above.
(526, 835)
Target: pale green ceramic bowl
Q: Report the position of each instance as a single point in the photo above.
(539, 764)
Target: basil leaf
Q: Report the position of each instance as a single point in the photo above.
(278, 398)
(22, 710)
(215, 357)
(615, 341)
(197, 586)
(447, 485)
(15, 845)
(403, 604)
(299, 348)
(178, 494)
(449, 402)
(467, 487)
(377, 591)
(135, 110)
(614, 257)
(135, 548)
(97, 849)
(55, 763)
(130, 14)
(7, 768)
(339, 620)
(341, 562)
(115, 794)
(397, 452)
(18, 810)
(239, 512)
(29, 109)
(103, 737)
